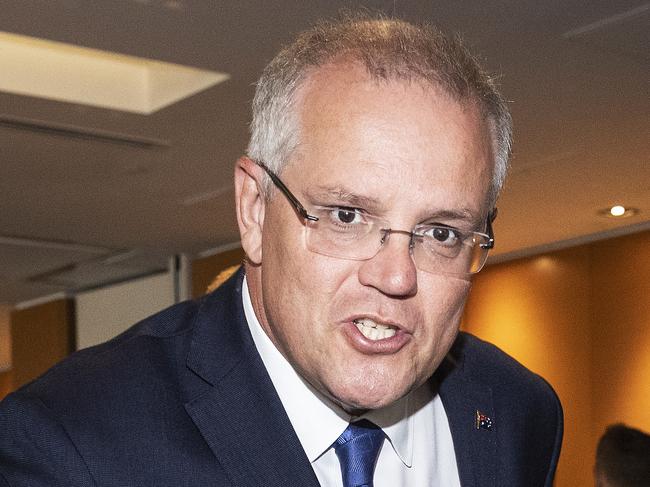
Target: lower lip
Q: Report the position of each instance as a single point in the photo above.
(385, 346)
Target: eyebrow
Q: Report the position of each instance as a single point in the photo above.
(345, 197)
(459, 215)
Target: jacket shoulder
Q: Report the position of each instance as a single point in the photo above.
(130, 351)
(488, 364)
(106, 411)
(527, 412)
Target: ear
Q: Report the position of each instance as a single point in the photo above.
(250, 205)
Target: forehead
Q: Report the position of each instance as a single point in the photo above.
(390, 139)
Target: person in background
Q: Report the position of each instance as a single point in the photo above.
(365, 205)
(623, 458)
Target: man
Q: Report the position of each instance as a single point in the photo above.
(623, 458)
(364, 206)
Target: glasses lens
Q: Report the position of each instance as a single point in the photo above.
(445, 251)
(479, 253)
(347, 234)
(342, 233)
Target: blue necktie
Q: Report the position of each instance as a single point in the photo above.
(357, 449)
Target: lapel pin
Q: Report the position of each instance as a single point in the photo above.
(483, 422)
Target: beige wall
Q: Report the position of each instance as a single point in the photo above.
(580, 318)
(104, 313)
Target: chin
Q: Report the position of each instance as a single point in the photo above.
(360, 401)
(362, 387)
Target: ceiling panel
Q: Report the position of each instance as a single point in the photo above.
(580, 104)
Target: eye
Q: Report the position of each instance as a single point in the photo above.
(347, 216)
(447, 236)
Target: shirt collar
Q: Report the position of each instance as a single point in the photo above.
(316, 420)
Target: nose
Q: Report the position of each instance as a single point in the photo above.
(392, 271)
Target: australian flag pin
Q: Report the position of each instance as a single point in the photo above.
(483, 422)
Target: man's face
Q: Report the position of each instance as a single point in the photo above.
(401, 151)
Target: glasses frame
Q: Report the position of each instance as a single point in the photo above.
(303, 213)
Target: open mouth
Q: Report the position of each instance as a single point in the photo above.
(374, 331)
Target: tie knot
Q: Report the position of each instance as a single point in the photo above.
(357, 450)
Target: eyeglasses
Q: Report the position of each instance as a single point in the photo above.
(348, 233)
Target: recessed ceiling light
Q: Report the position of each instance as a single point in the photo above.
(618, 211)
(64, 72)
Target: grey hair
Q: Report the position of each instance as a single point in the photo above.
(388, 49)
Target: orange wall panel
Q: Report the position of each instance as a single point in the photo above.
(6, 383)
(621, 326)
(41, 336)
(5, 337)
(6, 376)
(581, 318)
(537, 310)
(206, 269)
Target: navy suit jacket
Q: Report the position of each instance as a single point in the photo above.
(183, 399)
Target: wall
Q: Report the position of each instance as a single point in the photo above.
(579, 317)
(621, 341)
(537, 311)
(204, 270)
(106, 312)
(6, 381)
(41, 336)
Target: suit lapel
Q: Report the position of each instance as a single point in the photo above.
(232, 402)
(475, 446)
(236, 408)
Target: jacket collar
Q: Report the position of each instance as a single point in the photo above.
(464, 398)
(235, 406)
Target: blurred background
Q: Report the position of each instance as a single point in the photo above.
(120, 121)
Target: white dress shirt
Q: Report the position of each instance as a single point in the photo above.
(418, 452)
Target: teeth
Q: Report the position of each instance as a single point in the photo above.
(374, 331)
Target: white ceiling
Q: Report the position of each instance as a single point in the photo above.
(130, 190)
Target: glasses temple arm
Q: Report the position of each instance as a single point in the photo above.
(292, 199)
(488, 228)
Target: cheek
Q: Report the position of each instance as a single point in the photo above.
(320, 278)
(444, 304)
(458, 297)
(285, 253)
(302, 287)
